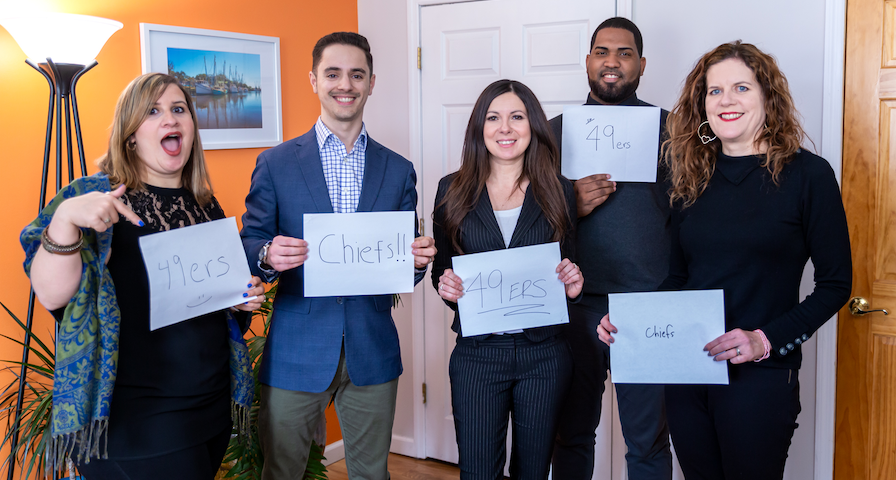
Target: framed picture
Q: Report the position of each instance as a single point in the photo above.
(234, 79)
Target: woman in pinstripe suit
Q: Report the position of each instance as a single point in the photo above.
(507, 193)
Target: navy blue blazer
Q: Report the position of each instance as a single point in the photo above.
(306, 335)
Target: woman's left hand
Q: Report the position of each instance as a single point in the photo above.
(256, 289)
(738, 346)
(571, 276)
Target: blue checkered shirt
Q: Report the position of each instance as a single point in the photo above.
(344, 173)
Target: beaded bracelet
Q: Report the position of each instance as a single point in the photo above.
(766, 344)
(57, 249)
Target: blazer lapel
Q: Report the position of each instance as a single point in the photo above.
(528, 215)
(374, 171)
(487, 217)
(308, 157)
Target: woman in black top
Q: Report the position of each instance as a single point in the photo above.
(170, 411)
(506, 194)
(751, 208)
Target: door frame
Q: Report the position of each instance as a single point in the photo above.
(831, 148)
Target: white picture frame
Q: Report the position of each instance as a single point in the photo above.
(232, 111)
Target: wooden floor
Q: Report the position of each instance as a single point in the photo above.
(405, 468)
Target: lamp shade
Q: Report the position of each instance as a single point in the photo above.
(63, 37)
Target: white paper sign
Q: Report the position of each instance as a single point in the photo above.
(194, 270)
(359, 253)
(510, 289)
(621, 141)
(662, 334)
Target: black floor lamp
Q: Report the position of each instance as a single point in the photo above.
(61, 47)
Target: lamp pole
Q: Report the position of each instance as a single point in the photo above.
(78, 38)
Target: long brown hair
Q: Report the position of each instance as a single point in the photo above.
(541, 164)
(122, 164)
(691, 163)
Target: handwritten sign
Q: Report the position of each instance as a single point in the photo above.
(194, 270)
(359, 253)
(621, 141)
(510, 289)
(662, 334)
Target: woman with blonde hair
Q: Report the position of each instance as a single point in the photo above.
(751, 207)
(130, 403)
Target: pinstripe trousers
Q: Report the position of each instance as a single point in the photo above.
(507, 376)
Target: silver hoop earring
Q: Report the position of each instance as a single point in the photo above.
(704, 138)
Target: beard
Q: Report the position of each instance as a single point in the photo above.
(615, 92)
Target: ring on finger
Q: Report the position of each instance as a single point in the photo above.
(737, 349)
(441, 287)
(107, 220)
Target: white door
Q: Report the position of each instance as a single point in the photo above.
(465, 47)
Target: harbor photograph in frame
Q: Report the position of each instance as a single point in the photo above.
(226, 86)
(233, 78)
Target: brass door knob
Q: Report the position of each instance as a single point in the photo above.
(860, 306)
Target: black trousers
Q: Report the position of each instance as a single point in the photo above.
(194, 463)
(642, 410)
(737, 431)
(507, 375)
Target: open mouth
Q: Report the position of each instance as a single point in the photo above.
(611, 77)
(172, 144)
(506, 143)
(730, 116)
(343, 100)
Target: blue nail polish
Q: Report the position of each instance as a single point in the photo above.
(246, 303)
(245, 294)
(249, 286)
(140, 223)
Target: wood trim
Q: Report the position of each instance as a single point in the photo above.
(860, 159)
(889, 37)
(887, 84)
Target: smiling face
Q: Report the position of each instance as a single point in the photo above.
(735, 106)
(165, 139)
(506, 130)
(342, 82)
(614, 67)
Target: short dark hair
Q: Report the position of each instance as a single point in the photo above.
(340, 38)
(625, 24)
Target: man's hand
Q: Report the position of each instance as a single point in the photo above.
(424, 249)
(592, 191)
(286, 253)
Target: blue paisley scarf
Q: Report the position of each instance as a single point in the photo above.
(87, 344)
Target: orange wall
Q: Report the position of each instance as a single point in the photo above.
(24, 95)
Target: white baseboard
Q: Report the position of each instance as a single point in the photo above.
(334, 452)
(403, 446)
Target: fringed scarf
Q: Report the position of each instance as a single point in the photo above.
(87, 345)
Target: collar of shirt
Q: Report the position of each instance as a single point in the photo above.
(343, 172)
(325, 138)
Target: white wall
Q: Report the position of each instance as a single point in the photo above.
(675, 35)
(384, 23)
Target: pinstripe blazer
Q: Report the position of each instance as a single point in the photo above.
(480, 233)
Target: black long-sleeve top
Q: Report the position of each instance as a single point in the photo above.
(479, 232)
(752, 239)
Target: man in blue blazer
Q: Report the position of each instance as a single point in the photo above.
(340, 348)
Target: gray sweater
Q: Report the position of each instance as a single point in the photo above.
(623, 244)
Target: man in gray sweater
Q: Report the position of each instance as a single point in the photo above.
(623, 246)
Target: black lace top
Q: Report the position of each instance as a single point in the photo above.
(173, 386)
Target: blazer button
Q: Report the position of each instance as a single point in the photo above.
(783, 351)
(790, 346)
(339, 300)
(805, 337)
